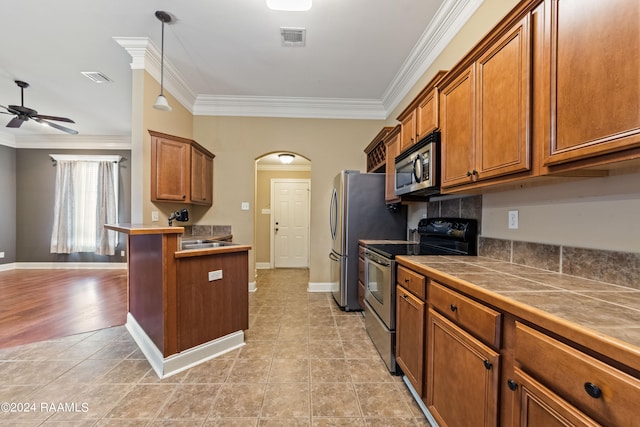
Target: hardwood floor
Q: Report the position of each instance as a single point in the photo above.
(37, 305)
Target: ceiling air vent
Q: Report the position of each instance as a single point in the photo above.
(96, 76)
(293, 36)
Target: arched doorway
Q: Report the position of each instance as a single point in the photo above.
(282, 211)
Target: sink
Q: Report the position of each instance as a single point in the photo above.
(202, 244)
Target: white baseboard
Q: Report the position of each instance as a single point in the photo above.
(8, 267)
(64, 265)
(263, 266)
(166, 366)
(320, 287)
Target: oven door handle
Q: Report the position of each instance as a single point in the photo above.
(376, 260)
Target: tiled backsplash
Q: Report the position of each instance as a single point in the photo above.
(459, 207)
(207, 230)
(619, 268)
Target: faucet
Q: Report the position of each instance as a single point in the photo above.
(181, 215)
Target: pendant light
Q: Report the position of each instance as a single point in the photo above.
(161, 102)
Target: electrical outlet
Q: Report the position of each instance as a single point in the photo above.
(1, 254)
(121, 253)
(215, 275)
(244, 206)
(154, 216)
(513, 220)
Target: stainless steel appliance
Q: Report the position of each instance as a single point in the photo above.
(358, 211)
(416, 170)
(438, 236)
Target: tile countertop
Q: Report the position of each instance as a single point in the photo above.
(597, 315)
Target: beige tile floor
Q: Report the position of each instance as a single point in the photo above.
(305, 363)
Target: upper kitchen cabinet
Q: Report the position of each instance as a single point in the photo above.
(595, 78)
(181, 170)
(485, 108)
(392, 148)
(376, 153)
(421, 116)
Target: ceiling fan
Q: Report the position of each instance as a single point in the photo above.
(22, 114)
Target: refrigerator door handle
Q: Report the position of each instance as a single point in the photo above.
(334, 257)
(333, 214)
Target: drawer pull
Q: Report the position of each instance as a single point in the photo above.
(487, 364)
(512, 385)
(453, 307)
(406, 280)
(592, 390)
(405, 296)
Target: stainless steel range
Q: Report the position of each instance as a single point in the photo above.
(438, 236)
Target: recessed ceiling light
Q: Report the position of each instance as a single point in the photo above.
(289, 5)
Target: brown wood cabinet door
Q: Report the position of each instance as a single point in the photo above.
(462, 376)
(170, 177)
(408, 132)
(210, 310)
(410, 323)
(201, 178)
(393, 149)
(427, 115)
(595, 83)
(503, 105)
(539, 406)
(457, 111)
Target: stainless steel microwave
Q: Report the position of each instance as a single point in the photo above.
(417, 169)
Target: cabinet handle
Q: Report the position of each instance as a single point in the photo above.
(487, 364)
(512, 385)
(405, 296)
(468, 173)
(453, 307)
(406, 280)
(474, 172)
(184, 196)
(592, 390)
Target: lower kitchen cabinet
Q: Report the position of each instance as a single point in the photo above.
(410, 326)
(555, 380)
(536, 405)
(463, 376)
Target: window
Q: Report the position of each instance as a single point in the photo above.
(86, 198)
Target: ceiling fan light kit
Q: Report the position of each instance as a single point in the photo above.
(161, 102)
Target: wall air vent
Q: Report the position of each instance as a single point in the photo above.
(293, 36)
(96, 76)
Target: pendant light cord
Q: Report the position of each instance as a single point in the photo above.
(162, 61)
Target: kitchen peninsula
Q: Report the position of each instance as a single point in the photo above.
(185, 306)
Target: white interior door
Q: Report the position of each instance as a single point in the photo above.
(290, 222)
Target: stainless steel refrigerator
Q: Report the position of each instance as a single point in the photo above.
(358, 211)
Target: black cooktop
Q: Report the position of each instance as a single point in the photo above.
(438, 236)
(391, 250)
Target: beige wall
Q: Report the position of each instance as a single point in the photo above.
(330, 145)
(263, 201)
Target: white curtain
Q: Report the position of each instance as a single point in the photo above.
(85, 200)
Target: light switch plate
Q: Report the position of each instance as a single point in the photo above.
(154, 216)
(513, 220)
(245, 206)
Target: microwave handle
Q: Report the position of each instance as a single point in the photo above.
(417, 168)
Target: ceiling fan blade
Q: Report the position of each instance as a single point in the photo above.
(56, 126)
(58, 119)
(16, 122)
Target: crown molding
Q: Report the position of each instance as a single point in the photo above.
(448, 21)
(84, 142)
(268, 106)
(145, 55)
